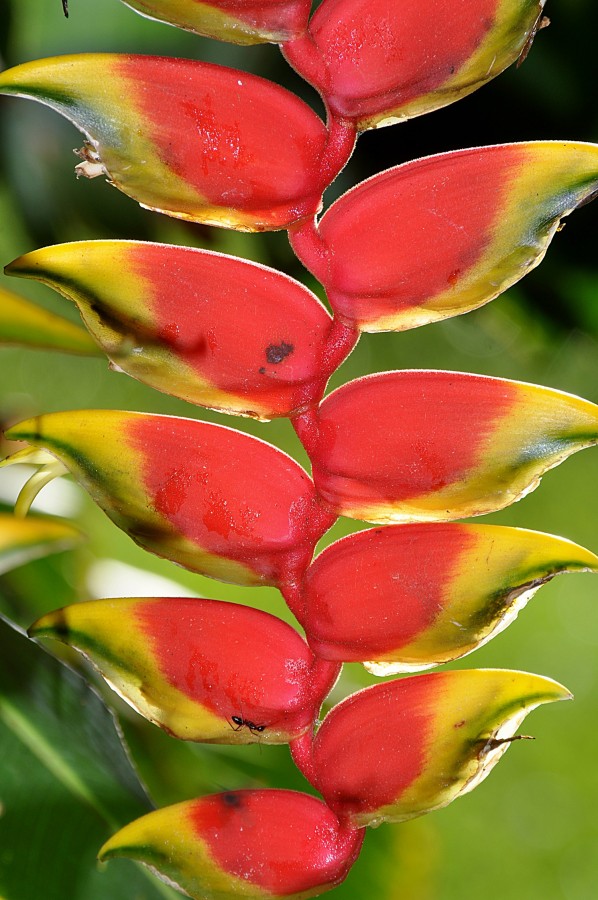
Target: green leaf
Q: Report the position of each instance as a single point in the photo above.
(65, 783)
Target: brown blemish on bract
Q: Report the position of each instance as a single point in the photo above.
(231, 800)
(275, 353)
(541, 22)
(92, 166)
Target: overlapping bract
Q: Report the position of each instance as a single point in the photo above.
(390, 447)
(239, 21)
(433, 238)
(215, 500)
(378, 63)
(406, 597)
(210, 328)
(203, 670)
(440, 236)
(191, 139)
(257, 844)
(403, 748)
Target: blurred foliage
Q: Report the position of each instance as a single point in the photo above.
(530, 831)
(85, 784)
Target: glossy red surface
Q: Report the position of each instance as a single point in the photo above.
(236, 660)
(379, 55)
(242, 142)
(247, 329)
(372, 746)
(374, 591)
(287, 15)
(414, 231)
(283, 841)
(230, 493)
(398, 435)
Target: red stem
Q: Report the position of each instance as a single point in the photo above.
(340, 341)
(302, 752)
(305, 57)
(307, 428)
(342, 136)
(293, 597)
(310, 249)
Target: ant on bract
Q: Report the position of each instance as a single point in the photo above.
(65, 8)
(245, 723)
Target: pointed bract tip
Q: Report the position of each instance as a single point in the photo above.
(50, 625)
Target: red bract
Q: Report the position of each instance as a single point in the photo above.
(377, 62)
(401, 749)
(239, 21)
(442, 235)
(194, 140)
(258, 844)
(392, 446)
(210, 498)
(430, 239)
(407, 597)
(210, 328)
(238, 675)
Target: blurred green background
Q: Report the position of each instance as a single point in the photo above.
(530, 831)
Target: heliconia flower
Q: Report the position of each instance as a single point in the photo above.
(22, 540)
(409, 746)
(378, 63)
(443, 235)
(407, 597)
(210, 498)
(203, 670)
(238, 21)
(191, 139)
(28, 325)
(254, 843)
(177, 319)
(433, 446)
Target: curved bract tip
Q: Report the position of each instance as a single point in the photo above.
(187, 138)
(259, 844)
(404, 748)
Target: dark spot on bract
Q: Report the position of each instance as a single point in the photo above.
(262, 370)
(275, 353)
(231, 800)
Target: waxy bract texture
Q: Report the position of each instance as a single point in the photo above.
(378, 62)
(210, 328)
(210, 498)
(403, 748)
(203, 670)
(256, 844)
(440, 236)
(391, 448)
(239, 21)
(191, 139)
(430, 239)
(407, 597)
